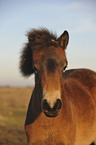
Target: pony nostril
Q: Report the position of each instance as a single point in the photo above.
(57, 105)
(45, 105)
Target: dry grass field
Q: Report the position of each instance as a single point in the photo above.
(13, 107)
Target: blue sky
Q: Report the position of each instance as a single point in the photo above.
(17, 17)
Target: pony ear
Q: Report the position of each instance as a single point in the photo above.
(26, 61)
(64, 39)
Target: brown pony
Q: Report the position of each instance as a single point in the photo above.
(62, 108)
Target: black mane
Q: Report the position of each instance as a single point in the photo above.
(41, 38)
(38, 39)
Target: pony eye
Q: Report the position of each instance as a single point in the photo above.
(35, 69)
(64, 68)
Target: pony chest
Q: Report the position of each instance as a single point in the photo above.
(44, 131)
(43, 135)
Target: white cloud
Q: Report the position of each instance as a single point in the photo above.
(82, 16)
(87, 25)
(91, 5)
(76, 5)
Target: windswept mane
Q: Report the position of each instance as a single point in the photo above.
(38, 39)
(41, 38)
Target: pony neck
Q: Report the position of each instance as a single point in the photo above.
(34, 108)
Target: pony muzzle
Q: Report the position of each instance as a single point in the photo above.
(51, 110)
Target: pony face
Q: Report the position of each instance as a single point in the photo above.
(47, 59)
(49, 66)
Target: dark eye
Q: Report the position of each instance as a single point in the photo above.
(35, 69)
(65, 66)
